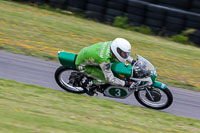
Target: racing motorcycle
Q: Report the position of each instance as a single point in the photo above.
(148, 92)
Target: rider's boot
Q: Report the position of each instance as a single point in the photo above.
(89, 85)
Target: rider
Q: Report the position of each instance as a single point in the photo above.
(95, 61)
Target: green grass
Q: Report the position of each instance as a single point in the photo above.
(28, 108)
(41, 33)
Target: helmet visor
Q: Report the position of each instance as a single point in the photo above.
(123, 54)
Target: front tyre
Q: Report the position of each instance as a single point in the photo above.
(62, 76)
(157, 99)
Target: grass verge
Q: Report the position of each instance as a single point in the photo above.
(41, 33)
(29, 108)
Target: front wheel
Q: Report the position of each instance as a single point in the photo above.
(62, 76)
(154, 98)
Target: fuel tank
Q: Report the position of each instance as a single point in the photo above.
(121, 70)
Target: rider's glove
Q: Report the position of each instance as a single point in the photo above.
(133, 61)
(128, 83)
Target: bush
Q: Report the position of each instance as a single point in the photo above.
(188, 32)
(142, 29)
(122, 22)
(183, 37)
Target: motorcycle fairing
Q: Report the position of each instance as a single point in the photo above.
(121, 70)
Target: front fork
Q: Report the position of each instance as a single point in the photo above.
(149, 93)
(135, 86)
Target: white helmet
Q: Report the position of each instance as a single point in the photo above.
(121, 48)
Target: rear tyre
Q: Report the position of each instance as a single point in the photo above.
(162, 98)
(62, 76)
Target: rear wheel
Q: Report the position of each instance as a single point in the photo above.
(155, 98)
(62, 77)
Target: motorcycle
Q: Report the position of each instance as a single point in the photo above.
(148, 92)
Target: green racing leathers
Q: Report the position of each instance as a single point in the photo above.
(95, 61)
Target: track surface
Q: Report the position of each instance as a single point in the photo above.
(40, 72)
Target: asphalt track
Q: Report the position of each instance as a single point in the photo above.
(40, 72)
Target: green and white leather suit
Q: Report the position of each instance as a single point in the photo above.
(95, 61)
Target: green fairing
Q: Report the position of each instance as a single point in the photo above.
(153, 77)
(120, 70)
(159, 85)
(67, 59)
